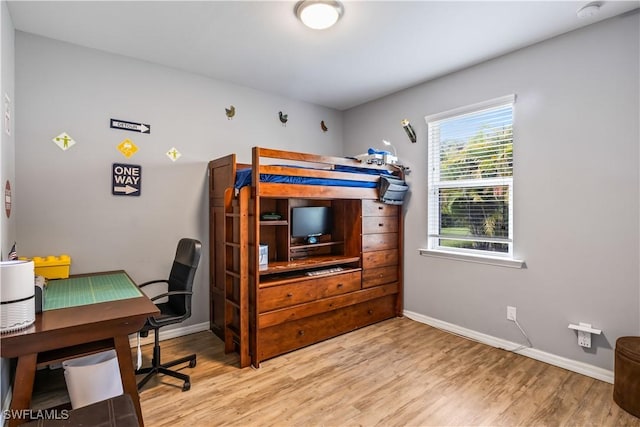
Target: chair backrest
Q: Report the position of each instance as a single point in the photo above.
(182, 274)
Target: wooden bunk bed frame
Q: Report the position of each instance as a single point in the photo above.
(265, 311)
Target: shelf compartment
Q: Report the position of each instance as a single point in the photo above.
(300, 277)
(307, 264)
(273, 222)
(296, 248)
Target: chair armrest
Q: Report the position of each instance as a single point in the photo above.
(153, 281)
(168, 294)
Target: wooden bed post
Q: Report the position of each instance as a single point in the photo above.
(255, 190)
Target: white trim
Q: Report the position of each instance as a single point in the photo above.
(169, 333)
(552, 359)
(503, 100)
(480, 259)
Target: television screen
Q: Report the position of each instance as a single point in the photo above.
(310, 221)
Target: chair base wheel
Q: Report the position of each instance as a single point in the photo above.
(192, 363)
(186, 386)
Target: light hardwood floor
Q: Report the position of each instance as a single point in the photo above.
(395, 373)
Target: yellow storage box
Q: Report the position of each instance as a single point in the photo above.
(52, 267)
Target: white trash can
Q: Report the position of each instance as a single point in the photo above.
(92, 378)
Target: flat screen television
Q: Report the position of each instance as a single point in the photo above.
(310, 222)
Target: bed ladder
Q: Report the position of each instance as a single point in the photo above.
(236, 275)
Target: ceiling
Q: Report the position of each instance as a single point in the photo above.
(377, 48)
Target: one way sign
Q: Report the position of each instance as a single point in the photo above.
(127, 180)
(132, 126)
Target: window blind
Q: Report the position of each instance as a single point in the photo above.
(471, 178)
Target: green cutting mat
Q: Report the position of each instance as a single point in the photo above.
(76, 291)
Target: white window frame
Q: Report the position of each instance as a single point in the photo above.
(433, 217)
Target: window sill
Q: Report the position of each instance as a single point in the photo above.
(502, 262)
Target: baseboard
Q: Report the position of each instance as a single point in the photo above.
(552, 359)
(169, 333)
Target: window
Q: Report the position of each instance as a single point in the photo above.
(471, 179)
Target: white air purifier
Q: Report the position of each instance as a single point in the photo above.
(17, 295)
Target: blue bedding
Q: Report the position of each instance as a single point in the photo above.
(243, 178)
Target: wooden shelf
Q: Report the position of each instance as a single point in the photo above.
(294, 248)
(274, 222)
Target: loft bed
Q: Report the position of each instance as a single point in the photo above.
(237, 191)
(313, 175)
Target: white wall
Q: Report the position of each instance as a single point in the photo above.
(7, 170)
(7, 156)
(66, 205)
(576, 183)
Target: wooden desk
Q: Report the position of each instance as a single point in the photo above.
(68, 332)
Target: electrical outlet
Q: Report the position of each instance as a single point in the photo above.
(511, 313)
(584, 339)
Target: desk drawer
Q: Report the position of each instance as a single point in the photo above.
(379, 224)
(308, 290)
(340, 284)
(374, 208)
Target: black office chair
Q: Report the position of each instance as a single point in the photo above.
(175, 310)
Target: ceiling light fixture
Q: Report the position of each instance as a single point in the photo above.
(319, 14)
(589, 9)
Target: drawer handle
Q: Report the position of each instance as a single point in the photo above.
(340, 285)
(370, 311)
(300, 332)
(289, 294)
(380, 208)
(330, 304)
(380, 275)
(380, 225)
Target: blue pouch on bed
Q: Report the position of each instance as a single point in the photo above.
(392, 190)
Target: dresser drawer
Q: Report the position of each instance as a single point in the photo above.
(374, 208)
(292, 335)
(323, 305)
(379, 224)
(306, 290)
(339, 284)
(379, 258)
(379, 241)
(379, 276)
